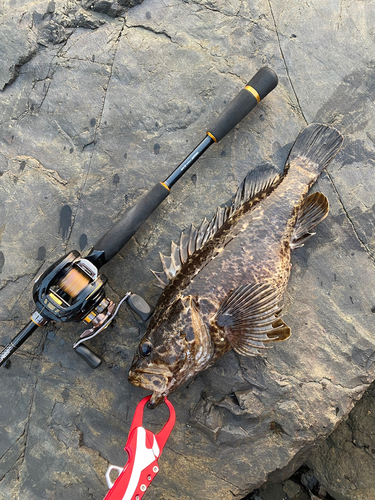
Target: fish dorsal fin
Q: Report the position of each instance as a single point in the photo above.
(313, 210)
(250, 318)
(257, 184)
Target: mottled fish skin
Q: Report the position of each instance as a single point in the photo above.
(228, 292)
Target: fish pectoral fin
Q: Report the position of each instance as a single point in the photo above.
(249, 316)
(313, 210)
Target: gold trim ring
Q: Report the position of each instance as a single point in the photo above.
(163, 184)
(254, 92)
(212, 136)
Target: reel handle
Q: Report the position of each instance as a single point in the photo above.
(92, 359)
(262, 83)
(141, 308)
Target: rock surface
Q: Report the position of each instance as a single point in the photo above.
(343, 463)
(95, 110)
(302, 485)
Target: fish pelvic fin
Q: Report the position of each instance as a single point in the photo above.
(313, 210)
(249, 316)
(258, 184)
(203, 347)
(316, 145)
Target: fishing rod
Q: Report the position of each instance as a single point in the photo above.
(72, 289)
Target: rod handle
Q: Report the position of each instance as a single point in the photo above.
(121, 232)
(257, 89)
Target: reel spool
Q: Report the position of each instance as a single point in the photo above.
(69, 290)
(74, 282)
(73, 290)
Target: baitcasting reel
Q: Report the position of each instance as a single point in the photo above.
(72, 288)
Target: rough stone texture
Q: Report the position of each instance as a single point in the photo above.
(302, 485)
(97, 109)
(345, 462)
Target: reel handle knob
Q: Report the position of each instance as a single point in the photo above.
(92, 359)
(138, 305)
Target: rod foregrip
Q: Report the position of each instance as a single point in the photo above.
(121, 232)
(258, 87)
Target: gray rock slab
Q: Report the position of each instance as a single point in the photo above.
(18, 43)
(95, 110)
(343, 463)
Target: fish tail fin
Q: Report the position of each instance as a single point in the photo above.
(316, 145)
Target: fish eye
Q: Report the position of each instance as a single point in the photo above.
(145, 349)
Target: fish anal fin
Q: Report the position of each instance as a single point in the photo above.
(249, 318)
(313, 210)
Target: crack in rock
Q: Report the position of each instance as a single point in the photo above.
(23, 34)
(8, 450)
(362, 243)
(91, 146)
(285, 63)
(153, 30)
(18, 45)
(34, 164)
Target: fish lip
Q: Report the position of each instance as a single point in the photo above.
(137, 378)
(151, 371)
(157, 398)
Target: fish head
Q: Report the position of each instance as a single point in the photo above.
(173, 349)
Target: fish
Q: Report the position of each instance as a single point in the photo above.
(224, 284)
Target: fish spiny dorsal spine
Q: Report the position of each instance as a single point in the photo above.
(258, 184)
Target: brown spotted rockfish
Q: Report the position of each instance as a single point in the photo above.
(225, 281)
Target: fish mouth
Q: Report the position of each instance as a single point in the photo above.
(155, 382)
(157, 398)
(149, 379)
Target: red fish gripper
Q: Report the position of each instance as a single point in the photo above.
(144, 449)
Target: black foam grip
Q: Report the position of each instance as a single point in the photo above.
(92, 359)
(121, 232)
(263, 83)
